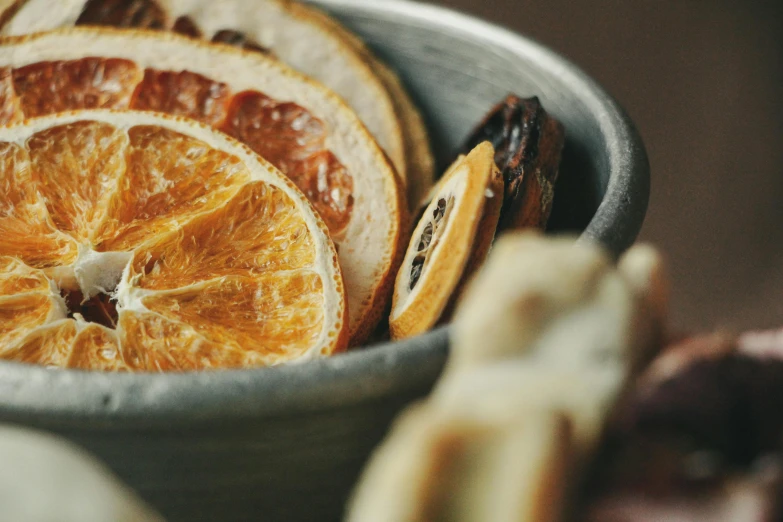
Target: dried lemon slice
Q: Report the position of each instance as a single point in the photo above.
(299, 35)
(451, 239)
(296, 124)
(212, 258)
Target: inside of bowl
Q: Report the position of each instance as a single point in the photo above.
(457, 76)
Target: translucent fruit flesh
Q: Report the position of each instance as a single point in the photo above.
(222, 267)
(284, 133)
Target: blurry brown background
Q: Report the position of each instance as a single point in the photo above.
(703, 80)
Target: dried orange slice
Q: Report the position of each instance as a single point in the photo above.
(450, 241)
(138, 241)
(299, 126)
(299, 35)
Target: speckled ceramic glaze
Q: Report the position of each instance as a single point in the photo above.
(287, 443)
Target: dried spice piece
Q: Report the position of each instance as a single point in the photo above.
(528, 147)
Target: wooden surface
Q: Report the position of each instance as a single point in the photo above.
(703, 80)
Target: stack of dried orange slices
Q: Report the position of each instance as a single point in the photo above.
(190, 201)
(138, 244)
(300, 36)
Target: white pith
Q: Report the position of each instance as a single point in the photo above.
(109, 272)
(366, 246)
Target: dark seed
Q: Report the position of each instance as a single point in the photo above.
(440, 210)
(426, 237)
(416, 268)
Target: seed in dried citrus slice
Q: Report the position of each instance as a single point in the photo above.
(299, 126)
(451, 239)
(299, 35)
(185, 250)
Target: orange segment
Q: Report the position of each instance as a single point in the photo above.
(49, 346)
(20, 313)
(276, 315)
(97, 348)
(153, 343)
(10, 112)
(18, 278)
(258, 231)
(87, 83)
(183, 93)
(169, 179)
(293, 140)
(25, 231)
(77, 167)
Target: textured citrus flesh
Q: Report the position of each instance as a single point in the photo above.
(221, 267)
(284, 133)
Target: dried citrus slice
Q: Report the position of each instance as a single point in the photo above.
(143, 242)
(299, 35)
(418, 169)
(296, 124)
(451, 239)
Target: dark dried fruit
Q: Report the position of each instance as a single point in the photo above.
(528, 146)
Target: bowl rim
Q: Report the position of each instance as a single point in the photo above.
(82, 399)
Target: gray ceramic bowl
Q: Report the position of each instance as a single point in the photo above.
(287, 443)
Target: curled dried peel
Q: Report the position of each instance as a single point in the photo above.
(299, 126)
(450, 240)
(236, 270)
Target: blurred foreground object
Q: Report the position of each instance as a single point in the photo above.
(544, 341)
(699, 438)
(44, 479)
